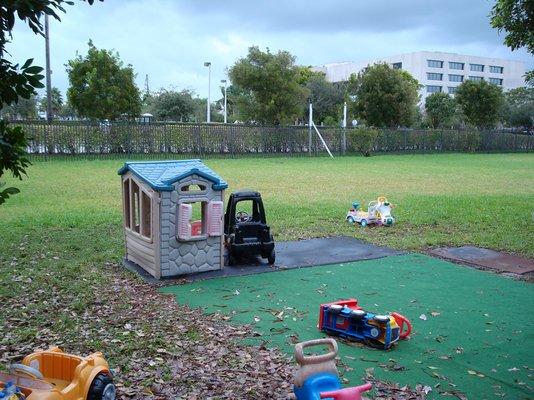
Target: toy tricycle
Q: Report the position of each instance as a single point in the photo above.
(247, 234)
(346, 319)
(55, 375)
(378, 213)
(317, 378)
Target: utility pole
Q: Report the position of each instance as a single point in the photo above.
(49, 115)
(147, 87)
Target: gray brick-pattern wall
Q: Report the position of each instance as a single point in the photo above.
(199, 255)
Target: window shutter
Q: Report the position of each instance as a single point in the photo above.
(215, 218)
(185, 212)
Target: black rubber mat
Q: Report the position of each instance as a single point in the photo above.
(294, 254)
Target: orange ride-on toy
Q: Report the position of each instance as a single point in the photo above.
(55, 375)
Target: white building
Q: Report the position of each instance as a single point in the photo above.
(437, 71)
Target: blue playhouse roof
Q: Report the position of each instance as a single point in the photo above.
(161, 175)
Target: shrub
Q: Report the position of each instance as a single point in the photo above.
(362, 140)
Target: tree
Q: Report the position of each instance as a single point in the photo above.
(269, 87)
(480, 102)
(173, 105)
(327, 99)
(19, 82)
(384, 97)
(23, 109)
(13, 158)
(518, 110)
(516, 18)
(200, 111)
(440, 109)
(101, 87)
(57, 102)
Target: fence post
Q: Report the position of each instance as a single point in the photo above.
(405, 139)
(310, 123)
(344, 143)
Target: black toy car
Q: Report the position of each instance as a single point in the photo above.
(245, 228)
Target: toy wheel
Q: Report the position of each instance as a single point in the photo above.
(357, 314)
(375, 332)
(351, 220)
(363, 223)
(272, 257)
(102, 388)
(335, 308)
(381, 318)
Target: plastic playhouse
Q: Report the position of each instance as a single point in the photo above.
(317, 376)
(173, 216)
(55, 375)
(346, 319)
(378, 213)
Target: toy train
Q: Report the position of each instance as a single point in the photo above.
(346, 319)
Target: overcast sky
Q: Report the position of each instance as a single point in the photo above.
(171, 40)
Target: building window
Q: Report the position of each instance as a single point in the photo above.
(496, 81)
(456, 65)
(137, 209)
(433, 76)
(496, 70)
(435, 63)
(452, 89)
(456, 78)
(397, 65)
(476, 78)
(477, 67)
(433, 89)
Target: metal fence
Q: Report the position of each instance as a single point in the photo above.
(69, 138)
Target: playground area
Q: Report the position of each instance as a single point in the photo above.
(465, 341)
(62, 241)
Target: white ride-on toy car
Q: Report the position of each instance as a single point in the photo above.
(378, 213)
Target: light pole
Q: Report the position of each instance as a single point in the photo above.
(208, 116)
(224, 81)
(49, 115)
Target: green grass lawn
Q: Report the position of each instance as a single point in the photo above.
(455, 199)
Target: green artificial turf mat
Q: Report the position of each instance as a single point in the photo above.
(477, 338)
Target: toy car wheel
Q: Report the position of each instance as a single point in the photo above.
(374, 333)
(357, 314)
(102, 388)
(363, 223)
(381, 318)
(335, 308)
(351, 220)
(272, 257)
(231, 259)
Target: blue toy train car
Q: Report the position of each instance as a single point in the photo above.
(346, 319)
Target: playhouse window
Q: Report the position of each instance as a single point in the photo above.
(193, 188)
(137, 209)
(199, 219)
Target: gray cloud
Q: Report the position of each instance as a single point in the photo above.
(170, 40)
